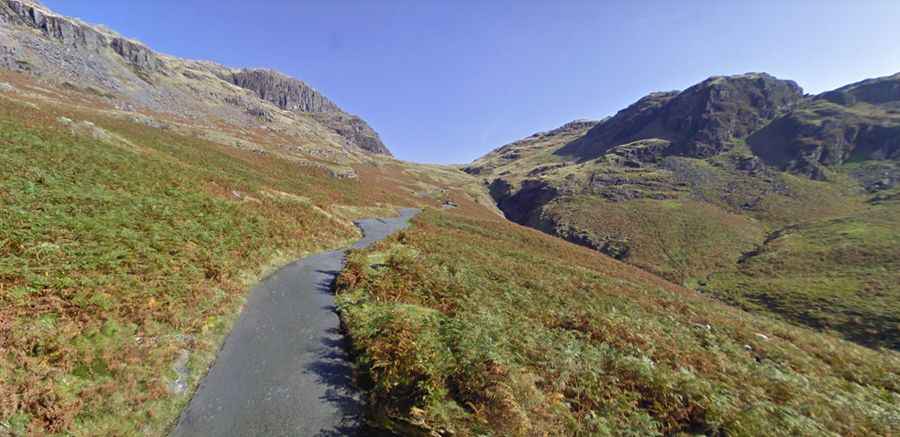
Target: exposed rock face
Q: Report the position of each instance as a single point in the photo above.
(642, 151)
(859, 121)
(285, 92)
(520, 204)
(355, 130)
(700, 121)
(878, 91)
(36, 41)
(59, 28)
(805, 144)
(78, 35)
(572, 126)
(137, 55)
(626, 126)
(295, 95)
(785, 129)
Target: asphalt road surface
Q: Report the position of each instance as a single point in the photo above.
(283, 370)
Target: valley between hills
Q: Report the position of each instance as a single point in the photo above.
(719, 260)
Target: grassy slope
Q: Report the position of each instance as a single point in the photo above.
(119, 253)
(125, 246)
(114, 258)
(838, 274)
(687, 219)
(835, 271)
(677, 239)
(486, 328)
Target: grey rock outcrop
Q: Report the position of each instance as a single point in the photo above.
(39, 42)
(859, 121)
(355, 130)
(64, 30)
(571, 126)
(137, 55)
(79, 35)
(285, 92)
(295, 95)
(877, 91)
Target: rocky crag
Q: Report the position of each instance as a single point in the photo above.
(700, 121)
(133, 77)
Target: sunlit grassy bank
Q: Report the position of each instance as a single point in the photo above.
(482, 327)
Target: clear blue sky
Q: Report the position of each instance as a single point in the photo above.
(446, 81)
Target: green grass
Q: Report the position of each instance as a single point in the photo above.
(481, 327)
(689, 219)
(115, 257)
(123, 247)
(676, 239)
(840, 274)
(120, 252)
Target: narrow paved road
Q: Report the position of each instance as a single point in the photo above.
(283, 370)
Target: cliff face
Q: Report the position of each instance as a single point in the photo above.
(295, 95)
(62, 29)
(355, 130)
(77, 35)
(878, 91)
(857, 122)
(137, 55)
(785, 129)
(285, 92)
(37, 41)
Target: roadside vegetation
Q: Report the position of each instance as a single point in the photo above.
(115, 258)
(481, 327)
(126, 251)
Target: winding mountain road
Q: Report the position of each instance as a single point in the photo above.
(283, 370)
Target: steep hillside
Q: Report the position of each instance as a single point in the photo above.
(126, 250)
(140, 196)
(478, 327)
(132, 77)
(684, 184)
(835, 274)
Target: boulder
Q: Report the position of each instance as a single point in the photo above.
(618, 249)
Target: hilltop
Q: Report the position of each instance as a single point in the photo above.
(704, 184)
